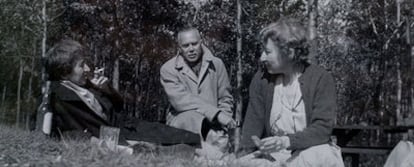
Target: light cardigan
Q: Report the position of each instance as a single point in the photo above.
(319, 96)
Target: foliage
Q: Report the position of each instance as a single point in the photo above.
(20, 34)
(359, 42)
(361, 49)
(140, 35)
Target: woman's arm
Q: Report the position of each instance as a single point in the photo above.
(323, 116)
(254, 120)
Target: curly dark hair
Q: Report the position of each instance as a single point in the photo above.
(62, 58)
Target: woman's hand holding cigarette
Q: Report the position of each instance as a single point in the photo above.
(99, 79)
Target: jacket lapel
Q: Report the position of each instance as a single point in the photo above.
(305, 78)
(190, 74)
(105, 103)
(64, 93)
(269, 91)
(184, 69)
(206, 64)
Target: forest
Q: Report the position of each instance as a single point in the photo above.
(366, 45)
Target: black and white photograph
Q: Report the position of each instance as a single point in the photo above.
(206, 83)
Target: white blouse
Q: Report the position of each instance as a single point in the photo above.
(288, 109)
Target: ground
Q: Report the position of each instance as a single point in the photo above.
(23, 148)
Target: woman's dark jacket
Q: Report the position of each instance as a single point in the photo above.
(319, 96)
(71, 114)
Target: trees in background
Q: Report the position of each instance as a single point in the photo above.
(366, 45)
(20, 35)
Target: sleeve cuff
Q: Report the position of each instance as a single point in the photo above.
(286, 141)
(292, 142)
(211, 114)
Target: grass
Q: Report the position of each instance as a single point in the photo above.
(24, 148)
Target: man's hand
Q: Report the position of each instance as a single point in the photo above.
(226, 120)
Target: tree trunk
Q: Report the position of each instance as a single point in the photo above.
(3, 107)
(398, 66)
(44, 37)
(29, 97)
(41, 110)
(412, 81)
(384, 6)
(117, 26)
(148, 89)
(137, 87)
(312, 16)
(29, 91)
(411, 73)
(399, 92)
(115, 79)
(3, 97)
(239, 99)
(27, 121)
(383, 90)
(19, 87)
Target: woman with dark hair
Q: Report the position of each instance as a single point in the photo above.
(81, 106)
(292, 103)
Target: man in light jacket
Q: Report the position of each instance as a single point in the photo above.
(198, 87)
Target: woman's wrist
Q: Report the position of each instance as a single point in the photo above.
(285, 141)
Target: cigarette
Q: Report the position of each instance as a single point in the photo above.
(99, 70)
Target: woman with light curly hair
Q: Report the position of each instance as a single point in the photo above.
(292, 103)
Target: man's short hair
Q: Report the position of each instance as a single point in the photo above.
(187, 29)
(287, 33)
(62, 58)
